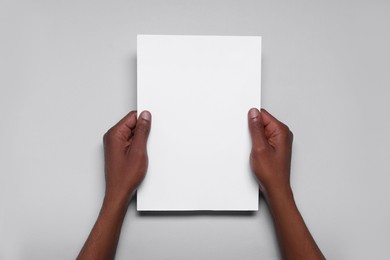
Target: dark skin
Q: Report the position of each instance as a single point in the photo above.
(270, 161)
(126, 163)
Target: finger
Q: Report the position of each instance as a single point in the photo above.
(124, 127)
(274, 129)
(129, 121)
(267, 117)
(256, 129)
(121, 131)
(141, 132)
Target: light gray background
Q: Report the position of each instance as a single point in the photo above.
(68, 73)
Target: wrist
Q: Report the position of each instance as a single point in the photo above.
(278, 193)
(281, 200)
(116, 201)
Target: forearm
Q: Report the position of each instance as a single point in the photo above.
(294, 237)
(103, 239)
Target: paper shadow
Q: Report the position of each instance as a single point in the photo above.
(132, 80)
(190, 213)
(206, 213)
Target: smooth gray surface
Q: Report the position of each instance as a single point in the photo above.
(68, 74)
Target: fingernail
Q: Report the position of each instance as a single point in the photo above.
(253, 113)
(146, 115)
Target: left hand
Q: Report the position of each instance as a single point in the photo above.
(126, 159)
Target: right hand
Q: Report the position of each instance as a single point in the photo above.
(270, 157)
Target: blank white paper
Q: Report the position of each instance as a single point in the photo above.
(199, 90)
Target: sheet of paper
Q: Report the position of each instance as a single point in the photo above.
(199, 90)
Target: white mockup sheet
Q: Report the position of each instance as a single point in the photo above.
(199, 90)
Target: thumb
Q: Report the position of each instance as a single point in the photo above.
(142, 130)
(256, 129)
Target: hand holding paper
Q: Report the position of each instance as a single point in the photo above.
(126, 158)
(271, 151)
(270, 160)
(126, 162)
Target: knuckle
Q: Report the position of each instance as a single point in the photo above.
(108, 136)
(284, 130)
(258, 150)
(290, 135)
